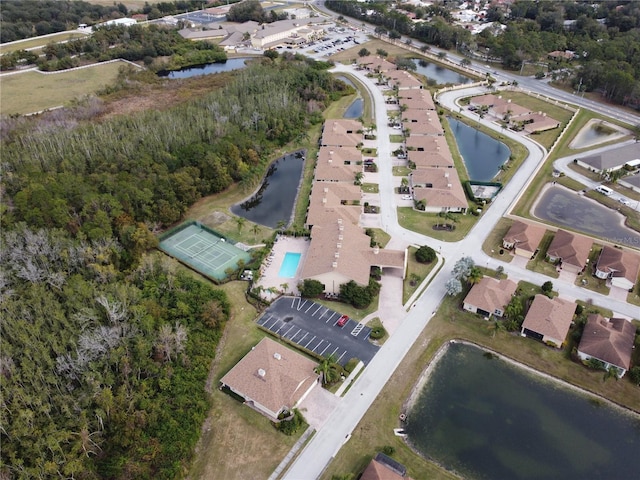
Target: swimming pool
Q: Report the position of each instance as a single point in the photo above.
(289, 265)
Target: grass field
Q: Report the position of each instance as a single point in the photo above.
(39, 41)
(423, 223)
(30, 92)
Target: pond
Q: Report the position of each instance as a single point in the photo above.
(209, 68)
(355, 109)
(439, 73)
(566, 208)
(274, 201)
(596, 132)
(485, 417)
(483, 156)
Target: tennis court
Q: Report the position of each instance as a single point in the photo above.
(203, 251)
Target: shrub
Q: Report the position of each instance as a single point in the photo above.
(310, 288)
(351, 364)
(289, 427)
(377, 333)
(425, 254)
(388, 450)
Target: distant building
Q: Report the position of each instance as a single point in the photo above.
(286, 31)
(609, 341)
(548, 320)
(126, 22)
(489, 297)
(611, 160)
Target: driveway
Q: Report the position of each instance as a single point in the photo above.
(318, 405)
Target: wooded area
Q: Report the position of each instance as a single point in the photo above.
(105, 350)
(605, 37)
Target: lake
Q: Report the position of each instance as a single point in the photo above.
(566, 208)
(274, 201)
(486, 418)
(439, 73)
(483, 156)
(209, 68)
(355, 109)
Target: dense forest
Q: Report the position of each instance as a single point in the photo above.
(135, 43)
(605, 37)
(105, 351)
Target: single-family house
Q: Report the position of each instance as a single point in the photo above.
(340, 251)
(569, 251)
(618, 265)
(523, 238)
(421, 122)
(384, 468)
(489, 297)
(376, 64)
(609, 341)
(611, 160)
(416, 99)
(341, 132)
(558, 55)
(632, 182)
(548, 320)
(537, 122)
(338, 164)
(272, 378)
(402, 80)
(490, 100)
(438, 190)
(509, 109)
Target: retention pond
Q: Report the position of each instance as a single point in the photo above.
(488, 418)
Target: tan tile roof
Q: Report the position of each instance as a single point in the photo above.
(378, 471)
(326, 199)
(550, 317)
(608, 340)
(287, 375)
(427, 144)
(490, 294)
(331, 164)
(342, 247)
(403, 80)
(418, 99)
(619, 263)
(515, 109)
(445, 191)
(525, 236)
(570, 248)
(422, 122)
(441, 159)
(540, 123)
(341, 132)
(372, 62)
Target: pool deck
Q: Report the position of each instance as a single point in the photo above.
(270, 268)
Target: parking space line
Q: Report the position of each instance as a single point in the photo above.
(273, 324)
(310, 341)
(319, 343)
(334, 352)
(340, 358)
(310, 307)
(293, 301)
(294, 335)
(281, 327)
(314, 313)
(323, 314)
(325, 349)
(329, 319)
(292, 327)
(300, 305)
(264, 319)
(299, 342)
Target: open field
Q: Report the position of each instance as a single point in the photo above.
(423, 223)
(376, 428)
(30, 92)
(39, 41)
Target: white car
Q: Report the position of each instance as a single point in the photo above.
(624, 201)
(407, 197)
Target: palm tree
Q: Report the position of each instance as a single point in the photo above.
(327, 369)
(240, 221)
(475, 275)
(255, 229)
(495, 327)
(285, 287)
(280, 225)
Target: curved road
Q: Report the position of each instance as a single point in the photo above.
(319, 452)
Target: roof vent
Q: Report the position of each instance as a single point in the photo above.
(277, 356)
(376, 250)
(334, 264)
(330, 152)
(324, 200)
(340, 237)
(448, 185)
(446, 174)
(261, 373)
(337, 254)
(340, 221)
(341, 227)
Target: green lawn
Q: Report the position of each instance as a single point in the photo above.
(401, 171)
(370, 188)
(380, 236)
(40, 41)
(30, 92)
(423, 223)
(417, 268)
(540, 264)
(396, 138)
(493, 242)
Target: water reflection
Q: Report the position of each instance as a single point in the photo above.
(439, 73)
(273, 202)
(209, 68)
(355, 109)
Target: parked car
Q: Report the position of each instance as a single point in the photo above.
(342, 320)
(407, 197)
(624, 201)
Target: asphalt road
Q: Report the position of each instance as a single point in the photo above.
(319, 452)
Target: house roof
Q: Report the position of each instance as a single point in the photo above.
(403, 79)
(609, 340)
(373, 62)
(570, 248)
(550, 317)
(342, 133)
(525, 236)
(490, 294)
(613, 158)
(380, 469)
(342, 247)
(441, 159)
(540, 122)
(272, 375)
(418, 99)
(422, 122)
(619, 263)
(445, 190)
(428, 144)
(326, 199)
(331, 165)
(515, 109)
(489, 100)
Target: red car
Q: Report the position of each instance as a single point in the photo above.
(342, 321)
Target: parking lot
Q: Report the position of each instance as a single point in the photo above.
(315, 328)
(335, 40)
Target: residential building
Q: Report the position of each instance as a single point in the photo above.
(512, 110)
(609, 341)
(329, 200)
(272, 378)
(376, 64)
(569, 251)
(611, 160)
(523, 238)
(548, 320)
(338, 164)
(403, 80)
(421, 122)
(416, 99)
(439, 189)
(341, 133)
(384, 468)
(340, 252)
(632, 182)
(538, 122)
(489, 297)
(618, 265)
(489, 100)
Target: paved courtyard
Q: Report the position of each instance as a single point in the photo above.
(270, 281)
